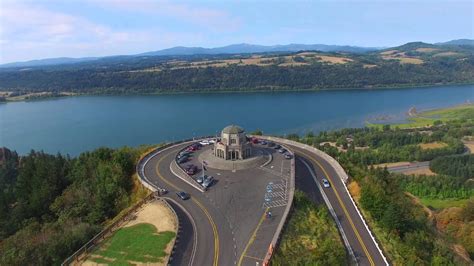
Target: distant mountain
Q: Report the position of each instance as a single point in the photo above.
(242, 48)
(50, 62)
(252, 48)
(457, 42)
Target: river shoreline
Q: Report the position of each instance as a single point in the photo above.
(232, 91)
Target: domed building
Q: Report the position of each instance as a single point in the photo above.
(233, 144)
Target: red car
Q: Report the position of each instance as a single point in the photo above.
(191, 170)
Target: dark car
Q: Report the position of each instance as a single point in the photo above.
(271, 144)
(183, 159)
(191, 169)
(277, 147)
(183, 195)
(263, 142)
(287, 156)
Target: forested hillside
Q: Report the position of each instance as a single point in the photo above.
(408, 65)
(50, 205)
(419, 219)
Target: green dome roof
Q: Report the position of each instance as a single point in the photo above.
(233, 129)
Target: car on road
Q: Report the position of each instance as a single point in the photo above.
(183, 195)
(287, 156)
(204, 142)
(277, 147)
(263, 142)
(212, 141)
(271, 144)
(326, 183)
(254, 140)
(208, 181)
(282, 150)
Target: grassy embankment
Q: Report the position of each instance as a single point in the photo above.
(310, 238)
(140, 243)
(430, 118)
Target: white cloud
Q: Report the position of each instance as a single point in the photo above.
(211, 18)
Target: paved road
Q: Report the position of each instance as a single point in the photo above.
(410, 167)
(207, 252)
(223, 226)
(362, 245)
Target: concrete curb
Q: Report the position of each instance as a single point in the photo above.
(174, 168)
(333, 213)
(289, 205)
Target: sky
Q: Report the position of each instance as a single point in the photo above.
(73, 28)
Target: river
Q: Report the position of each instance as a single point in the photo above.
(76, 124)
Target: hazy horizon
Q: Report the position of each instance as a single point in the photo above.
(95, 28)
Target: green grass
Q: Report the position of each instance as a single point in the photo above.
(138, 243)
(428, 118)
(443, 203)
(310, 238)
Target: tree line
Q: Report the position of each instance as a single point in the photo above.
(127, 77)
(50, 205)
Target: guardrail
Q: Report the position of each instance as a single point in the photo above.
(344, 177)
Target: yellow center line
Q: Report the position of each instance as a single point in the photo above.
(211, 221)
(255, 258)
(344, 209)
(252, 238)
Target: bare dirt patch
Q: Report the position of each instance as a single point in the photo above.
(446, 54)
(419, 171)
(432, 145)
(470, 146)
(157, 214)
(354, 189)
(369, 66)
(389, 165)
(426, 50)
(334, 59)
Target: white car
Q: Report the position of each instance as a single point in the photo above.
(211, 141)
(204, 142)
(326, 183)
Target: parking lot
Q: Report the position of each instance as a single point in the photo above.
(245, 197)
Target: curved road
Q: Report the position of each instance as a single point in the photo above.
(207, 229)
(362, 244)
(211, 225)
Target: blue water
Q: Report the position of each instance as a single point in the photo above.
(75, 124)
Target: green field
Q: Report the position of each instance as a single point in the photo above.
(428, 118)
(443, 203)
(135, 244)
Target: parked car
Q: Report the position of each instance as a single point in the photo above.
(183, 195)
(212, 141)
(277, 147)
(200, 179)
(282, 150)
(288, 156)
(326, 183)
(191, 169)
(263, 142)
(208, 181)
(254, 140)
(183, 155)
(271, 144)
(183, 159)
